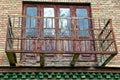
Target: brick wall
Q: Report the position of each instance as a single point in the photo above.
(7, 7)
(100, 8)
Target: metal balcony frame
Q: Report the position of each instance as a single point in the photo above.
(11, 53)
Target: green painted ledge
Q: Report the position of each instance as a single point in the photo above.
(60, 75)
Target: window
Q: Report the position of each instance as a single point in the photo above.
(31, 21)
(61, 21)
(65, 21)
(49, 22)
(51, 25)
(82, 23)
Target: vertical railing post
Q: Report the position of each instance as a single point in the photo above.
(113, 35)
(9, 35)
(6, 48)
(11, 55)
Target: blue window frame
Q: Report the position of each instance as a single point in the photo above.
(82, 22)
(65, 21)
(49, 22)
(31, 21)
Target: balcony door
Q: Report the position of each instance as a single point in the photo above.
(58, 21)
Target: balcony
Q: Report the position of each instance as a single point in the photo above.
(72, 45)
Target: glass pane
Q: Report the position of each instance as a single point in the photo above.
(82, 23)
(49, 22)
(65, 22)
(30, 21)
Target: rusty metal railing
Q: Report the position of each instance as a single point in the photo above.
(99, 36)
(34, 34)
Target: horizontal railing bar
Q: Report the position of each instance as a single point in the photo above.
(90, 29)
(55, 17)
(51, 17)
(61, 28)
(63, 52)
(63, 38)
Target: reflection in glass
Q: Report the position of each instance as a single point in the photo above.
(82, 23)
(49, 22)
(30, 21)
(64, 22)
(65, 25)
